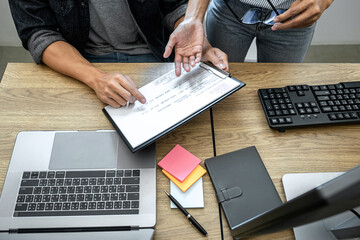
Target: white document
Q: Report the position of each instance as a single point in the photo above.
(170, 100)
(192, 198)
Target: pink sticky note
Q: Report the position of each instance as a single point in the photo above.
(179, 162)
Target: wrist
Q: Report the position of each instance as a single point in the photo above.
(92, 76)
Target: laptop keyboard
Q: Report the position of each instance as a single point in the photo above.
(71, 193)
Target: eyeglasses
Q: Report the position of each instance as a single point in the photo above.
(253, 15)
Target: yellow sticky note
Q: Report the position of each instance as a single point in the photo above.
(197, 173)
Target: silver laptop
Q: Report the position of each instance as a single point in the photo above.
(81, 185)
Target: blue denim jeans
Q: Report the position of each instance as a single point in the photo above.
(224, 31)
(120, 58)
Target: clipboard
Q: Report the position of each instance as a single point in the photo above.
(171, 102)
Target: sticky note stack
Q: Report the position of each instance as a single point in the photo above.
(182, 167)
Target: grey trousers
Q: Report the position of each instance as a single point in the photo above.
(224, 31)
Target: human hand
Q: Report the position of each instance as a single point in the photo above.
(116, 89)
(187, 39)
(215, 56)
(305, 13)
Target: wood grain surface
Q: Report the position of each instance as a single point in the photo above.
(33, 97)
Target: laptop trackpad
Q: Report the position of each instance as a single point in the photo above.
(84, 150)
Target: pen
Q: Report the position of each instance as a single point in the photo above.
(187, 214)
(273, 7)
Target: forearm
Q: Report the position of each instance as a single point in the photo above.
(64, 58)
(195, 11)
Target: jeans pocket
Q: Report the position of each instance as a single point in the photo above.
(61, 7)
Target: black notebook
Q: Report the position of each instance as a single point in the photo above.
(243, 186)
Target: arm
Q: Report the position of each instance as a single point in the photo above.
(188, 37)
(302, 13)
(114, 89)
(189, 42)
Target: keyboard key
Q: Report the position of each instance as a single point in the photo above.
(134, 180)
(60, 174)
(347, 116)
(92, 205)
(126, 204)
(104, 189)
(57, 206)
(76, 181)
(105, 197)
(288, 120)
(96, 189)
(84, 181)
(46, 198)
(79, 189)
(121, 188)
(83, 206)
(72, 197)
(109, 181)
(51, 175)
(133, 196)
(321, 93)
(26, 175)
(110, 173)
(128, 173)
(132, 188)
(300, 93)
(88, 197)
(84, 174)
(326, 109)
(38, 198)
(281, 120)
(32, 207)
(78, 213)
(20, 198)
(80, 197)
(117, 205)
(43, 182)
(42, 174)
(26, 190)
(109, 205)
(54, 198)
(122, 196)
(37, 190)
(112, 189)
(71, 190)
(75, 206)
(119, 173)
(134, 204)
(34, 175)
(49, 206)
(28, 183)
(274, 121)
(100, 205)
(66, 206)
(97, 197)
(40, 206)
(340, 116)
(29, 198)
(87, 189)
(21, 207)
(114, 197)
(45, 190)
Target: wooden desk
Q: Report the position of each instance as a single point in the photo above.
(240, 122)
(33, 97)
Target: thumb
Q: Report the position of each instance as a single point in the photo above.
(169, 47)
(217, 60)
